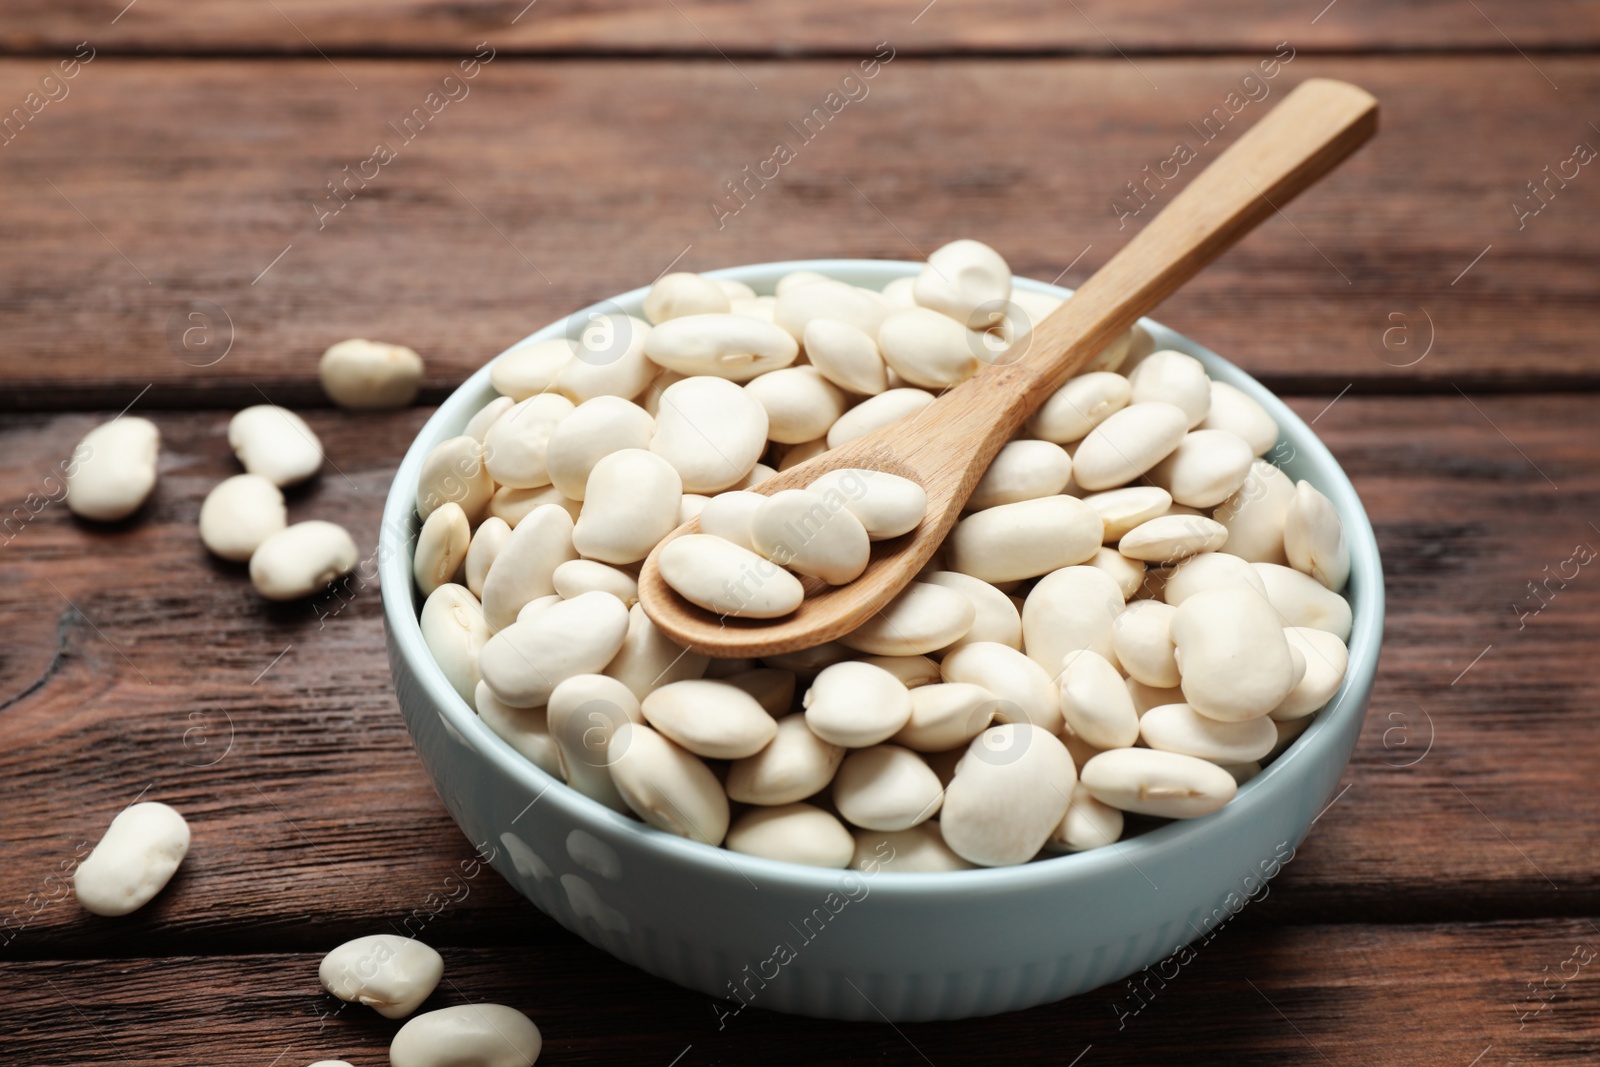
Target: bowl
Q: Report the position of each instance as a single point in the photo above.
(750, 932)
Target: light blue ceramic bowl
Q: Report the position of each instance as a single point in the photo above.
(754, 932)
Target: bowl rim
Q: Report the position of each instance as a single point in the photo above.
(398, 532)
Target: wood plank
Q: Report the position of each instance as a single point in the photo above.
(1254, 994)
(704, 27)
(556, 184)
(132, 660)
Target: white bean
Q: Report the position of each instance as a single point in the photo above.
(794, 833)
(710, 718)
(1022, 470)
(900, 293)
(1081, 404)
(1068, 610)
(1146, 697)
(302, 559)
(630, 503)
(726, 579)
(886, 787)
(1025, 539)
(1313, 538)
(887, 504)
(806, 532)
(796, 764)
(1142, 639)
(1301, 600)
(112, 471)
(856, 704)
(996, 618)
(682, 293)
(366, 375)
(735, 347)
(478, 426)
(530, 367)
(1087, 824)
(1173, 378)
(920, 849)
(1206, 468)
(1208, 570)
(454, 630)
(667, 786)
(1128, 574)
(1172, 537)
(946, 715)
(584, 715)
(648, 658)
(595, 429)
(929, 349)
(239, 514)
(1010, 792)
(962, 277)
(516, 446)
(795, 279)
(135, 858)
(1256, 514)
(801, 404)
(275, 443)
(454, 470)
(1128, 443)
(607, 360)
(1327, 659)
(1026, 691)
(538, 604)
(388, 973)
(1095, 702)
(1180, 728)
(526, 660)
(1167, 785)
(828, 299)
(468, 1035)
(441, 547)
(525, 729)
(487, 541)
(1232, 653)
(1123, 509)
(735, 290)
(524, 568)
(1234, 410)
(711, 430)
(578, 576)
(511, 506)
(729, 516)
(846, 356)
(913, 671)
(922, 618)
(876, 412)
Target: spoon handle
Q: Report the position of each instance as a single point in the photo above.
(1308, 134)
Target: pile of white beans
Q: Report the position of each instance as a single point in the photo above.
(244, 519)
(1135, 611)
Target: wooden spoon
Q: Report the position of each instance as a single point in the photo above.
(947, 446)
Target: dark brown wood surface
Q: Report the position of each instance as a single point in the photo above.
(1439, 911)
(707, 27)
(553, 185)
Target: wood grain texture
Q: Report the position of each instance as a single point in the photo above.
(1255, 994)
(704, 27)
(158, 183)
(134, 662)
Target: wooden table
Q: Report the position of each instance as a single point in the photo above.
(172, 246)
